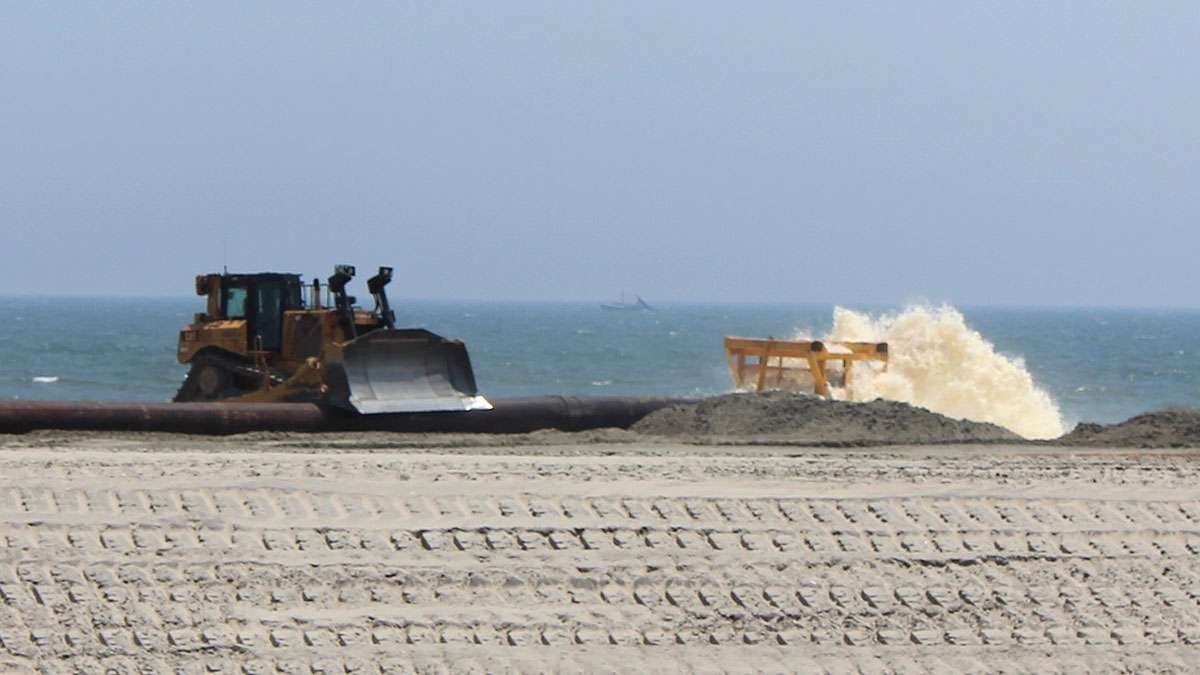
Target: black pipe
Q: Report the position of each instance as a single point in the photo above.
(186, 418)
(515, 415)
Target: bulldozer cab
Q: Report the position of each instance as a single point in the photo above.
(261, 300)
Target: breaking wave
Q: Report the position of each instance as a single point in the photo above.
(937, 362)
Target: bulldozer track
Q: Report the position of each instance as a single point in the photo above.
(279, 563)
(243, 375)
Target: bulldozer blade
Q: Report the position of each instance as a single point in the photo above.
(404, 370)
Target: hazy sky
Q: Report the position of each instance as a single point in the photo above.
(971, 152)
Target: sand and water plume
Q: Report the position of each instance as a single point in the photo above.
(938, 362)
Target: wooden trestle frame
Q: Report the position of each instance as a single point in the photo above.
(812, 354)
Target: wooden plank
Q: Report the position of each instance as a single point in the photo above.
(762, 365)
(820, 386)
(802, 348)
(833, 356)
(759, 347)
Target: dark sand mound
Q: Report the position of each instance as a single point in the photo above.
(1170, 428)
(801, 419)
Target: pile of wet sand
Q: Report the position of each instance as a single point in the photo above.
(1169, 428)
(802, 419)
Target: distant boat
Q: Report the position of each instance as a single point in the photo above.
(624, 305)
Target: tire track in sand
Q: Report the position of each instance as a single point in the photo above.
(290, 564)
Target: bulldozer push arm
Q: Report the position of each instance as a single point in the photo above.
(342, 274)
(376, 285)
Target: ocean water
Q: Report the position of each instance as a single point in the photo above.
(1100, 365)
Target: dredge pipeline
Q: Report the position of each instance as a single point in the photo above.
(515, 415)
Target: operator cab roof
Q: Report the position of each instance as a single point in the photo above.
(260, 276)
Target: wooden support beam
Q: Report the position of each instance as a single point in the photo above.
(762, 364)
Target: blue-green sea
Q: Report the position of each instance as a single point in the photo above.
(1100, 365)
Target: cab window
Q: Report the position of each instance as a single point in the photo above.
(295, 299)
(269, 316)
(235, 303)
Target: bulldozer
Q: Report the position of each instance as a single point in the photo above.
(269, 337)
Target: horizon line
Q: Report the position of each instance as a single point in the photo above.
(875, 304)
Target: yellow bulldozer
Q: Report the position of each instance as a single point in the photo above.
(269, 337)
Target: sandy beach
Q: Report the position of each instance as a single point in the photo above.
(572, 552)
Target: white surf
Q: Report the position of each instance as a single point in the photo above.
(938, 362)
